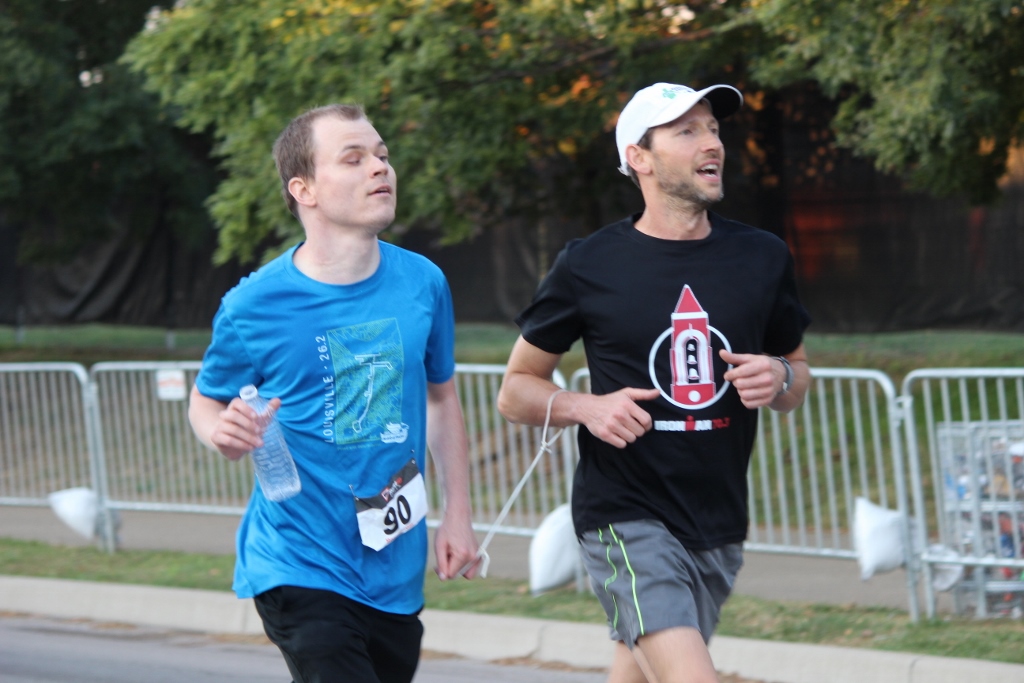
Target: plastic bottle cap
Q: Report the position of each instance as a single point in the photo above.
(248, 392)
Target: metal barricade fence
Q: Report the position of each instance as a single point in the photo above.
(965, 443)
(499, 454)
(122, 429)
(153, 461)
(45, 434)
(808, 467)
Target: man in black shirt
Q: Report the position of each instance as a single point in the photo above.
(690, 322)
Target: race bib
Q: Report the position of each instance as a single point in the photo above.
(395, 510)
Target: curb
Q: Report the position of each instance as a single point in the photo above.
(489, 637)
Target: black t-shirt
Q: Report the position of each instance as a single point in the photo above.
(655, 313)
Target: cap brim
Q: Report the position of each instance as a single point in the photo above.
(725, 100)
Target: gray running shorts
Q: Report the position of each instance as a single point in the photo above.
(647, 581)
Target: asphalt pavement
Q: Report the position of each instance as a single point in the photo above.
(47, 650)
(485, 638)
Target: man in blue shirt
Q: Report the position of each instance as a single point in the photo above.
(354, 340)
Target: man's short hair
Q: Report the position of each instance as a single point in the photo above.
(642, 143)
(293, 149)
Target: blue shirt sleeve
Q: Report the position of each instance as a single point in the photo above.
(226, 365)
(440, 353)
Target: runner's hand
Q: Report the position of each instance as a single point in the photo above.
(455, 547)
(757, 377)
(237, 432)
(615, 418)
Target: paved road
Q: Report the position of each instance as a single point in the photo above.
(41, 650)
(36, 650)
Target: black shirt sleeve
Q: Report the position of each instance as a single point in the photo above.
(552, 322)
(789, 319)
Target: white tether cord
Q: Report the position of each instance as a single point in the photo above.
(545, 446)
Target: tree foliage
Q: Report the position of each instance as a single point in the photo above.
(930, 89)
(82, 146)
(494, 109)
(503, 110)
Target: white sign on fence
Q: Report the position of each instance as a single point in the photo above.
(170, 385)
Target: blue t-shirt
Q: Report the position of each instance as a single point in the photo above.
(350, 364)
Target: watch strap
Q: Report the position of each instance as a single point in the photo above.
(787, 381)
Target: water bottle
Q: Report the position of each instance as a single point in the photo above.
(272, 461)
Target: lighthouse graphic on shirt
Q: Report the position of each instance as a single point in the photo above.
(693, 372)
(689, 379)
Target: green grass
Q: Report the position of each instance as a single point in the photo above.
(875, 628)
(94, 343)
(747, 617)
(156, 568)
(895, 353)
(492, 342)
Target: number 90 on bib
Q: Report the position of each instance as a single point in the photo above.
(399, 507)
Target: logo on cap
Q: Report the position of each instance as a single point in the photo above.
(671, 92)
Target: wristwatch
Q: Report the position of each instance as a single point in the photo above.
(788, 379)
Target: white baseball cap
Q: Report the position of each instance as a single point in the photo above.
(663, 103)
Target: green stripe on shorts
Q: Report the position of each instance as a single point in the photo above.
(608, 581)
(632, 574)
